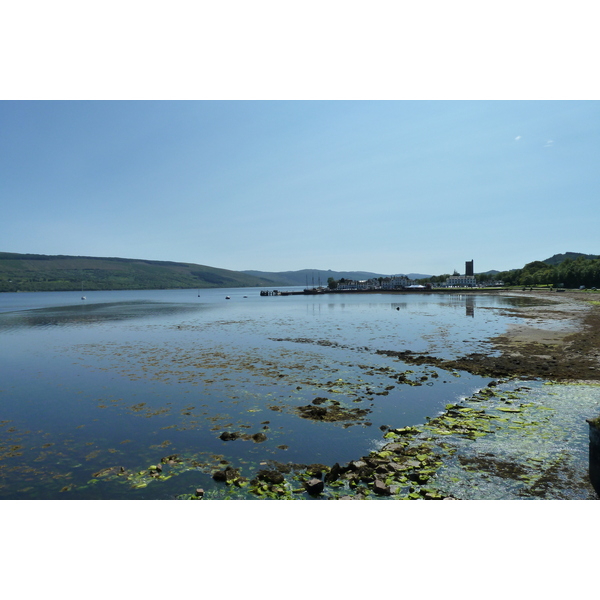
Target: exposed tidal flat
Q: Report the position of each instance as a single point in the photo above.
(179, 394)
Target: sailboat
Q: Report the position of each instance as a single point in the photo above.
(82, 296)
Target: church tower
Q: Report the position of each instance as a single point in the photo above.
(469, 268)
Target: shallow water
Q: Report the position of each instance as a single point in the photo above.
(123, 379)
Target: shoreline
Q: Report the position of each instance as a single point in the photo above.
(559, 342)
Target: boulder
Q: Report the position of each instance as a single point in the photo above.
(314, 486)
(381, 489)
(334, 473)
(355, 465)
(270, 476)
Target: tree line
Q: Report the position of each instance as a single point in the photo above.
(570, 273)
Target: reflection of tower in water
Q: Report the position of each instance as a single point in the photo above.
(470, 306)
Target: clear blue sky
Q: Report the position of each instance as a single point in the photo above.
(382, 186)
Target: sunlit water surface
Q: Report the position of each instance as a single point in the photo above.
(123, 379)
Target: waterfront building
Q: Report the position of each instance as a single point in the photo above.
(466, 280)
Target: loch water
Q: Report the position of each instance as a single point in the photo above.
(118, 381)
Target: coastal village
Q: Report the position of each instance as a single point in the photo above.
(402, 282)
(394, 282)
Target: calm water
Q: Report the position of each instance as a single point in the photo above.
(123, 379)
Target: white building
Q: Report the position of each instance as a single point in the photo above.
(461, 281)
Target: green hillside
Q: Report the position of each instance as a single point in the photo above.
(38, 272)
(558, 258)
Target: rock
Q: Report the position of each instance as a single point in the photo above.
(334, 473)
(381, 489)
(314, 486)
(319, 400)
(199, 492)
(229, 436)
(395, 447)
(365, 473)
(259, 437)
(171, 459)
(355, 465)
(313, 412)
(219, 476)
(270, 476)
(316, 470)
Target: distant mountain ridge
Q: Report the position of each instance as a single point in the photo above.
(40, 272)
(315, 277)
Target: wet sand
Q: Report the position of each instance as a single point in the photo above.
(559, 340)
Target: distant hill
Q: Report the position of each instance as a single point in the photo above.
(312, 277)
(558, 258)
(39, 272)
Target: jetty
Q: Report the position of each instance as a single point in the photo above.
(307, 291)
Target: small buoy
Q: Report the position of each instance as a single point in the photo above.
(227, 298)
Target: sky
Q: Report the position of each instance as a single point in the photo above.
(382, 186)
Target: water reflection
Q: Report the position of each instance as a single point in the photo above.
(165, 374)
(86, 314)
(470, 306)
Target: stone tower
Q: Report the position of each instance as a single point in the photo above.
(469, 268)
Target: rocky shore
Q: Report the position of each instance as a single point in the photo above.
(558, 341)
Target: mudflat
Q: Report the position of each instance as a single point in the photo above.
(558, 340)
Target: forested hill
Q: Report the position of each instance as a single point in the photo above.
(558, 258)
(559, 270)
(39, 272)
